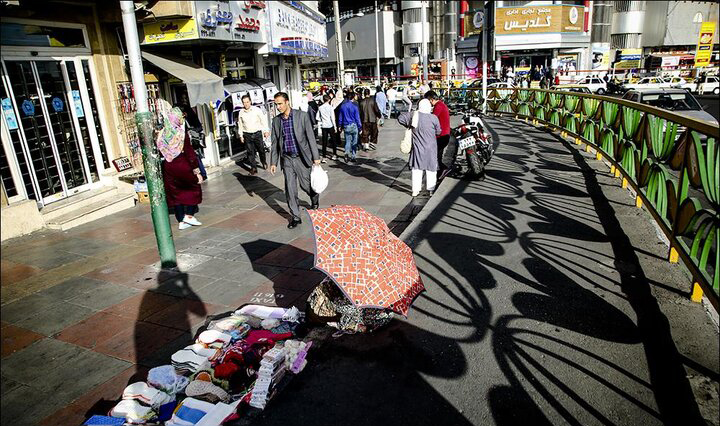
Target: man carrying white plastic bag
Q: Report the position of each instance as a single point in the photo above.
(318, 179)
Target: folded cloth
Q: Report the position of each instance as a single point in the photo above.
(219, 413)
(270, 323)
(206, 391)
(209, 337)
(190, 412)
(265, 335)
(132, 411)
(227, 324)
(166, 379)
(263, 312)
(146, 394)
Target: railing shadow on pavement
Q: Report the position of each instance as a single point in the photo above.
(463, 270)
(671, 162)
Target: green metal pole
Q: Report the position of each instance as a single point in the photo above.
(151, 159)
(156, 191)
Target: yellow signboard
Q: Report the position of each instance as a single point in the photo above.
(169, 30)
(539, 19)
(704, 49)
(474, 22)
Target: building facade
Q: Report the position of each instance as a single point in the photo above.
(68, 132)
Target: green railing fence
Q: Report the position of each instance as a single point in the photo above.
(672, 163)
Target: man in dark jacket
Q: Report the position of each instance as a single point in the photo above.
(369, 114)
(293, 140)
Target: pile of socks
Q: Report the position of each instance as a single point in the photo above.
(272, 370)
(193, 358)
(214, 339)
(142, 403)
(295, 353)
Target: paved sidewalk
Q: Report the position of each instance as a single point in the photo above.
(85, 310)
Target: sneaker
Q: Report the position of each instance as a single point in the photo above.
(347, 159)
(334, 158)
(415, 194)
(323, 161)
(183, 225)
(191, 220)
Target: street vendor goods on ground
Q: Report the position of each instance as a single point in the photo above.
(240, 360)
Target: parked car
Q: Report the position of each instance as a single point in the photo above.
(595, 84)
(711, 84)
(573, 88)
(648, 83)
(680, 83)
(476, 83)
(679, 101)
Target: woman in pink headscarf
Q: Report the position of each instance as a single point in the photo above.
(180, 167)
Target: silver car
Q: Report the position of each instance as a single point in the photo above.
(680, 101)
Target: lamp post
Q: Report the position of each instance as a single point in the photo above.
(338, 43)
(423, 18)
(151, 161)
(377, 43)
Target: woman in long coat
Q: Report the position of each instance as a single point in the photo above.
(181, 172)
(423, 156)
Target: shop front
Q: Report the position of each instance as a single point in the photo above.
(52, 127)
(555, 37)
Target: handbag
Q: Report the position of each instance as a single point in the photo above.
(406, 144)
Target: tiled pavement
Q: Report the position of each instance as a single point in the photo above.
(86, 310)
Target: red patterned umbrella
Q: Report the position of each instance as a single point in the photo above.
(369, 264)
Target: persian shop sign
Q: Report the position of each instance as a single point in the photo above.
(169, 30)
(231, 21)
(541, 19)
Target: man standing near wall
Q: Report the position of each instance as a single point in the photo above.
(443, 114)
(293, 140)
(252, 126)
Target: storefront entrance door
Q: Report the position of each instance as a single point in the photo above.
(52, 123)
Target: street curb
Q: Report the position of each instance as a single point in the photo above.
(418, 224)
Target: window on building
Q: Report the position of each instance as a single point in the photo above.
(16, 34)
(412, 16)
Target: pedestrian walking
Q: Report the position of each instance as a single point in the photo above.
(381, 101)
(349, 122)
(369, 114)
(328, 127)
(252, 127)
(441, 111)
(423, 156)
(293, 142)
(392, 98)
(180, 169)
(405, 97)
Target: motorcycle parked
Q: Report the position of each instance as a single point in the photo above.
(473, 146)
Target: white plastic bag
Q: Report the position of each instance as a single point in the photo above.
(406, 144)
(318, 179)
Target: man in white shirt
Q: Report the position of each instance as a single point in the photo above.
(252, 126)
(391, 97)
(328, 127)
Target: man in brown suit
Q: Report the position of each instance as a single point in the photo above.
(369, 114)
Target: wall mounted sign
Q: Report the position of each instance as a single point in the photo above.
(231, 21)
(169, 30)
(9, 114)
(28, 108)
(122, 164)
(704, 49)
(474, 22)
(78, 104)
(471, 62)
(58, 104)
(540, 19)
(296, 30)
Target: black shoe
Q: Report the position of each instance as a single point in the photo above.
(347, 159)
(354, 160)
(314, 207)
(293, 223)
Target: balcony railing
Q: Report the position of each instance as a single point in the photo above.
(671, 162)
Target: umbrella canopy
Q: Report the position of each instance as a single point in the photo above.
(367, 262)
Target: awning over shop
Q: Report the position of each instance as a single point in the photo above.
(202, 85)
(468, 45)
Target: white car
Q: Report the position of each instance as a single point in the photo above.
(680, 83)
(711, 84)
(648, 83)
(595, 84)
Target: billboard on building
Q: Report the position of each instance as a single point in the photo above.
(600, 56)
(629, 59)
(539, 19)
(474, 22)
(294, 29)
(704, 49)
